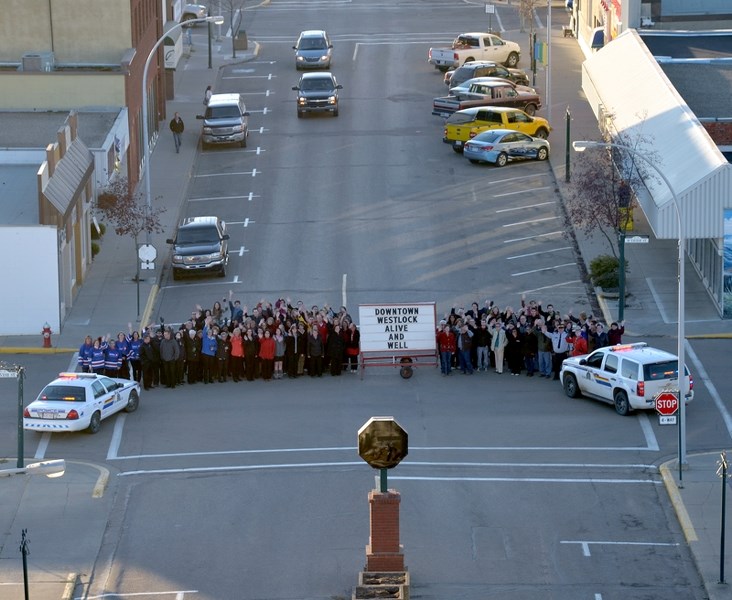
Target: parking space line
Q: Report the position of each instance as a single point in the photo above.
(532, 190)
(514, 208)
(538, 253)
(223, 174)
(209, 198)
(533, 237)
(530, 221)
(179, 594)
(552, 268)
(586, 544)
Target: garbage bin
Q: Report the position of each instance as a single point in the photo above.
(240, 41)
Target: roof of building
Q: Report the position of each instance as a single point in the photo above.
(20, 185)
(704, 87)
(688, 44)
(38, 129)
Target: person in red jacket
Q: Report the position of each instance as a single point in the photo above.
(447, 345)
(267, 355)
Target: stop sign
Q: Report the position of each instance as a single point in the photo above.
(667, 403)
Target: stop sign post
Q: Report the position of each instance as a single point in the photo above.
(667, 404)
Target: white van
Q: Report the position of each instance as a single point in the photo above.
(225, 121)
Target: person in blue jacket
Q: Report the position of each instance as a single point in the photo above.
(208, 352)
(98, 356)
(85, 350)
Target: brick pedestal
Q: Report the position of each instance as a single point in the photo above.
(384, 553)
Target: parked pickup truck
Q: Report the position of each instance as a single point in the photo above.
(489, 93)
(475, 46)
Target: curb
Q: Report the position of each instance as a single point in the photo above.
(72, 580)
(30, 350)
(678, 504)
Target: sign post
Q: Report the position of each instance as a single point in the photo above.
(16, 372)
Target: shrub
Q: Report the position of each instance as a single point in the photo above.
(97, 234)
(605, 271)
(94, 249)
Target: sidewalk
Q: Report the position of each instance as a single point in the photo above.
(108, 300)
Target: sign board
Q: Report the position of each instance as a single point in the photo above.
(4, 373)
(397, 327)
(490, 9)
(637, 239)
(382, 442)
(667, 420)
(667, 403)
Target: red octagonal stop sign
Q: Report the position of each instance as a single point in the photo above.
(667, 403)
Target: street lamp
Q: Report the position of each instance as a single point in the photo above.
(581, 146)
(145, 135)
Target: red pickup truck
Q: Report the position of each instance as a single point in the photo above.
(489, 93)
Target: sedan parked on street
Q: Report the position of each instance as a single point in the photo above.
(78, 401)
(317, 92)
(498, 146)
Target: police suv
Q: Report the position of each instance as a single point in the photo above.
(628, 376)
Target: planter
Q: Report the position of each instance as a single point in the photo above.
(610, 293)
(383, 578)
(365, 592)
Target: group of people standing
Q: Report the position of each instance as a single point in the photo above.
(532, 338)
(230, 342)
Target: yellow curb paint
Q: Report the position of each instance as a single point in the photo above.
(30, 350)
(678, 504)
(144, 321)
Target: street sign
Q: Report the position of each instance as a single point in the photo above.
(667, 420)
(667, 403)
(147, 252)
(637, 239)
(12, 374)
(490, 9)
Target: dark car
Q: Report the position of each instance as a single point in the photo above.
(484, 68)
(317, 92)
(200, 245)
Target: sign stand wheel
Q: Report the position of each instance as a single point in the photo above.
(406, 371)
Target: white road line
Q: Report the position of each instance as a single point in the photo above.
(43, 445)
(592, 480)
(645, 424)
(530, 221)
(551, 287)
(571, 264)
(515, 208)
(114, 443)
(546, 187)
(223, 174)
(710, 387)
(532, 237)
(586, 544)
(254, 172)
(216, 198)
(242, 250)
(538, 253)
(179, 594)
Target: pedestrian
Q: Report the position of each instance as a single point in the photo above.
(353, 345)
(544, 345)
(279, 353)
(177, 127)
(251, 349)
(514, 350)
(169, 354)
(149, 357)
(237, 354)
(447, 345)
(180, 364)
(335, 348)
(207, 95)
(134, 356)
(223, 356)
(615, 335)
(560, 347)
(465, 344)
(208, 352)
(315, 352)
(98, 356)
(112, 360)
(498, 343)
(481, 340)
(267, 349)
(85, 351)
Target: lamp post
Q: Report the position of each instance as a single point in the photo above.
(145, 132)
(580, 146)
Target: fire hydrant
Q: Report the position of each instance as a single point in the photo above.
(46, 333)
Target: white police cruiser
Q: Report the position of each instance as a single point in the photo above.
(628, 376)
(77, 401)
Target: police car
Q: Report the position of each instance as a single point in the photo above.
(628, 376)
(78, 401)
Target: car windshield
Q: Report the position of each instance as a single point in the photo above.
(197, 235)
(312, 44)
(222, 112)
(63, 393)
(320, 83)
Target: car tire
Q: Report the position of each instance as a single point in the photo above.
(542, 154)
(458, 149)
(570, 386)
(501, 160)
(512, 60)
(176, 275)
(335, 112)
(299, 114)
(542, 133)
(620, 400)
(95, 423)
(222, 271)
(243, 143)
(442, 69)
(470, 59)
(133, 401)
(530, 109)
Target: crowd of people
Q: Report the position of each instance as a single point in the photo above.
(534, 338)
(230, 342)
(273, 340)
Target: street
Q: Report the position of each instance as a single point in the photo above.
(254, 491)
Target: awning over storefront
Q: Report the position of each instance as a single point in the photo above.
(597, 40)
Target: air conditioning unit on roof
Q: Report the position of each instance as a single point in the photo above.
(38, 61)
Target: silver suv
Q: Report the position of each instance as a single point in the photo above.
(313, 50)
(628, 376)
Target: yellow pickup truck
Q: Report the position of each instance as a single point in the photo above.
(466, 124)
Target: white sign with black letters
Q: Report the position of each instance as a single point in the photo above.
(397, 327)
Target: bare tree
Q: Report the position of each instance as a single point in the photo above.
(601, 195)
(235, 10)
(125, 210)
